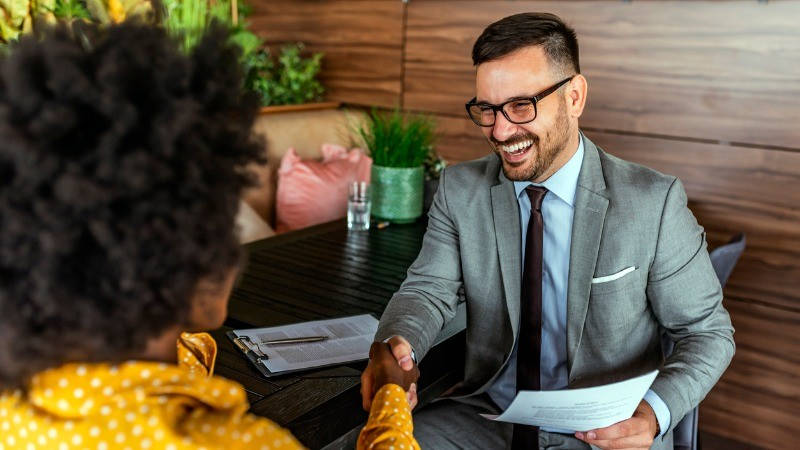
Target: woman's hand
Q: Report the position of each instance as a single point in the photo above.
(386, 370)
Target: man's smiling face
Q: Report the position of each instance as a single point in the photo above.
(528, 151)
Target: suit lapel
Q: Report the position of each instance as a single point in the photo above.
(505, 212)
(587, 229)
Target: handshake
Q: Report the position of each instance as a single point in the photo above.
(389, 363)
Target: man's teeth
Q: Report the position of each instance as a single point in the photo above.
(516, 147)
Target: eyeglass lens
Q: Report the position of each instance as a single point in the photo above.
(519, 111)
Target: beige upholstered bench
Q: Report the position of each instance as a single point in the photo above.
(306, 131)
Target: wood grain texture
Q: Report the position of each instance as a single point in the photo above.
(362, 43)
(756, 399)
(711, 441)
(280, 109)
(300, 397)
(459, 139)
(727, 71)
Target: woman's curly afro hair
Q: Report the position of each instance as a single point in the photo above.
(121, 164)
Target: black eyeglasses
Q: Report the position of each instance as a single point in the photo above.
(516, 110)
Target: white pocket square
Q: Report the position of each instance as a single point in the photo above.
(613, 277)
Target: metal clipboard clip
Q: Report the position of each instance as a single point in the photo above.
(248, 347)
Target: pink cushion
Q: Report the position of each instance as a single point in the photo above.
(312, 192)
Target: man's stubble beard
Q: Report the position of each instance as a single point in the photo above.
(554, 143)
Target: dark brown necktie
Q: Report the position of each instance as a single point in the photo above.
(529, 346)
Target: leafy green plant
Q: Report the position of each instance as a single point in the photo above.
(290, 80)
(398, 140)
(71, 9)
(258, 67)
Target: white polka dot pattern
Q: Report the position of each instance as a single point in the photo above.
(390, 426)
(145, 405)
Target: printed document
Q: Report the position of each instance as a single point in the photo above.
(348, 340)
(578, 409)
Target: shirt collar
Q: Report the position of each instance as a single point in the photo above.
(564, 182)
(77, 390)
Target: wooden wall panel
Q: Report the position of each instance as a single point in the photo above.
(756, 399)
(459, 139)
(362, 42)
(727, 71)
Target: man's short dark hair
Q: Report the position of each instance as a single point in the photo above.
(512, 33)
(122, 160)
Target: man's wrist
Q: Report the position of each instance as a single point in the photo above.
(650, 416)
(660, 411)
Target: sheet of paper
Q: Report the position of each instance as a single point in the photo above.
(349, 339)
(578, 409)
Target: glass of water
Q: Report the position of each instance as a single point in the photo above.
(358, 206)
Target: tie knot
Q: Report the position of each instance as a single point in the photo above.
(536, 194)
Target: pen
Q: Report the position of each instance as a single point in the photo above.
(296, 340)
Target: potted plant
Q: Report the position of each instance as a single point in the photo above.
(187, 20)
(398, 145)
(289, 80)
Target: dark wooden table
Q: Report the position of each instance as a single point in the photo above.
(317, 273)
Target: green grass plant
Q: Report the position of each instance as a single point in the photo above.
(188, 19)
(71, 9)
(396, 139)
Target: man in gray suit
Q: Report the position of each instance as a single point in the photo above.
(573, 263)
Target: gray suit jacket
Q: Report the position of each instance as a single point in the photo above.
(625, 215)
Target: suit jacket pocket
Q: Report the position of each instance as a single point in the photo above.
(616, 308)
(617, 285)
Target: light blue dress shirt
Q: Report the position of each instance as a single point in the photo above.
(557, 210)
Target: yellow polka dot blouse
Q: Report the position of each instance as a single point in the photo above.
(148, 405)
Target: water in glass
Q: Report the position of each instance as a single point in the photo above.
(358, 206)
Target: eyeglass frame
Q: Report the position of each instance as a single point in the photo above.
(534, 100)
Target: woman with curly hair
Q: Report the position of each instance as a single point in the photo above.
(121, 165)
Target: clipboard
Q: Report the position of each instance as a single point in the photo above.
(349, 339)
(245, 346)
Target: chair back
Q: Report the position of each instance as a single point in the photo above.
(723, 259)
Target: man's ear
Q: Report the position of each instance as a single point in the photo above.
(576, 92)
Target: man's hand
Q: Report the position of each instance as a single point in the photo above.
(634, 433)
(385, 366)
